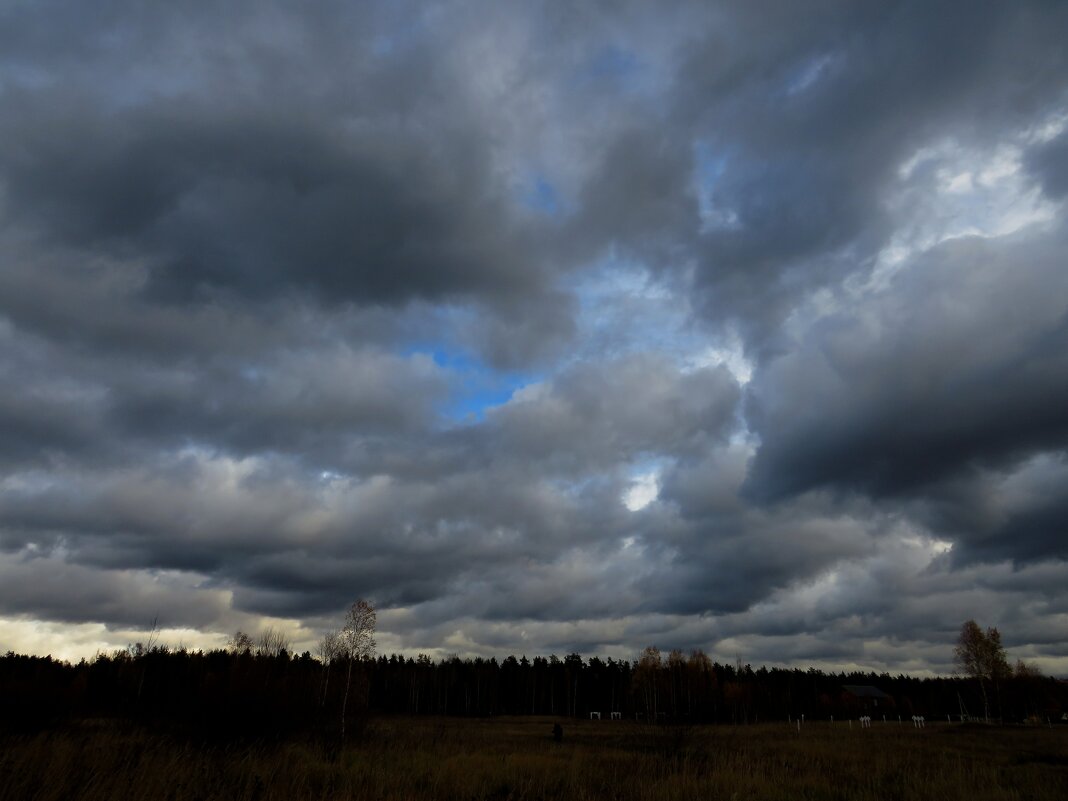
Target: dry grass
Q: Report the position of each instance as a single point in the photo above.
(517, 759)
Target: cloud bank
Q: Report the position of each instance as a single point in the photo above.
(562, 328)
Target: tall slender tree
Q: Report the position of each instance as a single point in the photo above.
(980, 654)
(357, 643)
(329, 648)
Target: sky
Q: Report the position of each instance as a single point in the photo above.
(548, 327)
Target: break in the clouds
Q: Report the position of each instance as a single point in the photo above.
(554, 327)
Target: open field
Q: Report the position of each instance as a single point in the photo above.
(516, 758)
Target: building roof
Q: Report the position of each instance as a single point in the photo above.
(864, 691)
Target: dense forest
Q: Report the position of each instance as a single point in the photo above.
(250, 693)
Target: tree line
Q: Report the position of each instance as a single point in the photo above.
(255, 692)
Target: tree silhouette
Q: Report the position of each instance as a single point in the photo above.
(357, 643)
(981, 656)
(240, 643)
(329, 650)
(272, 642)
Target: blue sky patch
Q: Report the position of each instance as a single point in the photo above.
(475, 386)
(541, 196)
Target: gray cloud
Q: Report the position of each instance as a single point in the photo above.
(1049, 162)
(344, 215)
(812, 116)
(616, 411)
(734, 326)
(933, 374)
(54, 589)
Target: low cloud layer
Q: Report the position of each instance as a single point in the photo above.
(551, 329)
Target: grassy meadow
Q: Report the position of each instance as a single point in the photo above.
(516, 758)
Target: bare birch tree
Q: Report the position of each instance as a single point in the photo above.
(329, 651)
(272, 642)
(357, 643)
(980, 655)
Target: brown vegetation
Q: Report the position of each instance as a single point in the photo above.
(516, 758)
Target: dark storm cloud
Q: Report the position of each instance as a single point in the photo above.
(1049, 163)
(251, 172)
(303, 395)
(57, 590)
(811, 115)
(262, 202)
(640, 196)
(312, 402)
(1015, 514)
(717, 554)
(961, 361)
(299, 543)
(423, 302)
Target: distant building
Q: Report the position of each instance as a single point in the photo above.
(865, 696)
